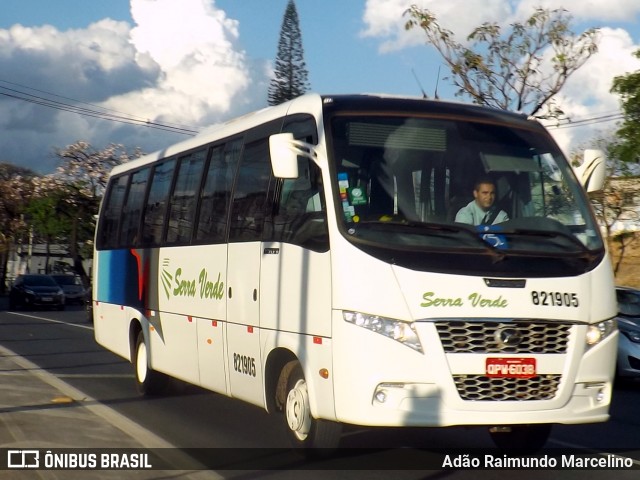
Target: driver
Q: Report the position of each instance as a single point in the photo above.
(481, 210)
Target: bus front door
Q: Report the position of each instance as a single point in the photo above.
(243, 321)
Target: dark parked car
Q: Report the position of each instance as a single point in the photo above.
(35, 290)
(629, 325)
(72, 287)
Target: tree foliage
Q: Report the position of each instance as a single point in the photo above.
(290, 74)
(46, 222)
(616, 205)
(520, 69)
(72, 196)
(59, 207)
(628, 88)
(15, 191)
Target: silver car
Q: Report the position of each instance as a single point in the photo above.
(629, 325)
(74, 291)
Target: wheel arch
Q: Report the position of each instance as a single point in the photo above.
(278, 367)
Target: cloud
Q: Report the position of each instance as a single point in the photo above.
(589, 11)
(586, 94)
(204, 71)
(88, 64)
(189, 72)
(385, 19)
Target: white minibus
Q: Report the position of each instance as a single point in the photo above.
(315, 259)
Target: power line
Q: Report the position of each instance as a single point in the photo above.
(589, 121)
(103, 113)
(94, 112)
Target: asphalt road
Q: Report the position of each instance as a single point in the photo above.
(190, 418)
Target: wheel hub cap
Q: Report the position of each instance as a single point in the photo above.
(297, 411)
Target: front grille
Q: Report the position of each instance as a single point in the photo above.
(481, 387)
(485, 337)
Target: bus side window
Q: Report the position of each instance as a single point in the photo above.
(300, 214)
(153, 220)
(133, 206)
(108, 233)
(250, 193)
(215, 197)
(183, 203)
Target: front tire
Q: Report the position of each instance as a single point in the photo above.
(318, 437)
(148, 381)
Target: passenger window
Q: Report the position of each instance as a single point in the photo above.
(216, 193)
(250, 193)
(129, 231)
(184, 199)
(108, 237)
(157, 203)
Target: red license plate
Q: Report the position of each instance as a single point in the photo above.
(511, 367)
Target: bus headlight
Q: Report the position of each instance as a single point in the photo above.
(597, 332)
(398, 330)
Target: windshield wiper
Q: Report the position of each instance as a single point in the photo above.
(585, 252)
(442, 228)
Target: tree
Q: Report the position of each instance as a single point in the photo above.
(628, 87)
(616, 205)
(291, 76)
(15, 191)
(522, 70)
(46, 222)
(74, 192)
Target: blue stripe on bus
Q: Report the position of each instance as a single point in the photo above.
(118, 278)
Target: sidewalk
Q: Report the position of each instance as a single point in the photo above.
(40, 411)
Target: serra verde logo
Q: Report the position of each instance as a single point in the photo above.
(475, 300)
(177, 285)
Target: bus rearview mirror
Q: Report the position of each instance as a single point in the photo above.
(284, 151)
(284, 156)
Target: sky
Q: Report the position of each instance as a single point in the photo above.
(174, 67)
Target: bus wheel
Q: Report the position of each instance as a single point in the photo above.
(148, 381)
(524, 439)
(304, 430)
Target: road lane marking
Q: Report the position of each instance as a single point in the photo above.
(51, 320)
(131, 428)
(145, 437)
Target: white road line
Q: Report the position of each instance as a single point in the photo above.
(146, 438)
(51, 320)
(131, 428)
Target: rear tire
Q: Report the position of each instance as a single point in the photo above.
(522, 439)
(148, 381)
(316, 436)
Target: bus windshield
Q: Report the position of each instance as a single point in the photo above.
(417, 182)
